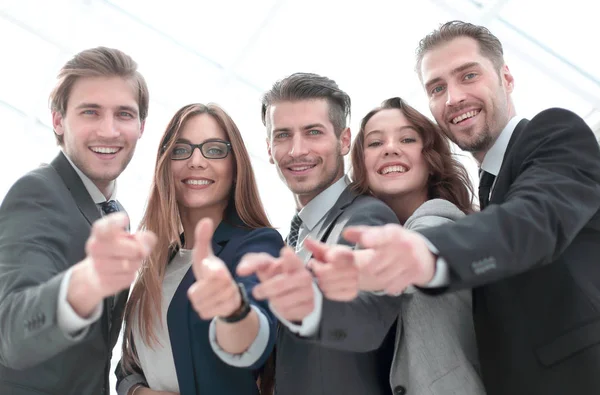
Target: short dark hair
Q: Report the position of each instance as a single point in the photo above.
(489, 45)
(306, 86)
(98, 62)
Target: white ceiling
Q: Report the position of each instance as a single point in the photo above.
(229, 52)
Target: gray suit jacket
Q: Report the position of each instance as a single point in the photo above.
(351, 353)
(436, 353)
(45, 220)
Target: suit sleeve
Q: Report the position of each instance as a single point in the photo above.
(259, 240)
(32, 265)
(362, 324)
(555, 192)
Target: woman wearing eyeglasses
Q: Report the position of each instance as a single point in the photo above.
(188, 312)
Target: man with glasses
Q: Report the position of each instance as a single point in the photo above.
(65, 270)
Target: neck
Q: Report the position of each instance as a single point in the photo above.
(405, 206)
(303, 199)
(191, 216)
(106, 187)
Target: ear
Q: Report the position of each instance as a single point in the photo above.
(507, 79)
(271, 161)
(142, 126)
(57, 123)
(345, 141)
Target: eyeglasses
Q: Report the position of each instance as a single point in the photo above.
(211, 149)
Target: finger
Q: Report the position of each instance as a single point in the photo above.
(147, 240)
(282, 284)
(254, 262)
(293, 299)
(110, 226)
(223, 307)
(354, 233)
(203, 240)
(317, 248)
(270, 271)
(290, 261)
(340, 256)
(205, 297)
(119, 249)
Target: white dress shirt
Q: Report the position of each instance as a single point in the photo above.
(69, 321)
(492, 162)
(313, 215)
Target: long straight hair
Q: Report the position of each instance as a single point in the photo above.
(163, 218)
(449, 179)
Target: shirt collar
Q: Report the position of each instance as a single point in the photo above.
(317, 208)
(492, 161)
(92, 189)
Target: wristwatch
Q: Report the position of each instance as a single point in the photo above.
(244, 309)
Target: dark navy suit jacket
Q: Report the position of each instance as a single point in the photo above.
(199, 369)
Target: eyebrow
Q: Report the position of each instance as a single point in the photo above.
(395, 130)
(457, 70)
(313, 126)
(97, 106)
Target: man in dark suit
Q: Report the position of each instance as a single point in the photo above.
(531, 256)
(64, 271)
(305, 116)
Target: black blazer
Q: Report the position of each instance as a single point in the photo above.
(45, 220)
(199, 369)
(532, 258)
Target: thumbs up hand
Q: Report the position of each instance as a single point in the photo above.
(215, 293)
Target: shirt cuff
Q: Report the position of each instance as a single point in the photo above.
(74, 326)
(253, 353)
(441, 277)
(310, 324)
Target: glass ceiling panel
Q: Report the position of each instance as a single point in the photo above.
(572, 38)
(218, 30)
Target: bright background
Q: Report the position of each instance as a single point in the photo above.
(231, 51)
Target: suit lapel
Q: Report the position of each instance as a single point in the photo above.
(181, 316)
(320, 233)
(515, 136)
(73, 182)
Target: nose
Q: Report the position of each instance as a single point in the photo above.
(108, 127)
(454, 95)
(392, 147)
(197, 160)
(299, 146)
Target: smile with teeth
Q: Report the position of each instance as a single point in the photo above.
(464, 116)
(105, 150)
(301, 168)
(393, 169)
(198, 182)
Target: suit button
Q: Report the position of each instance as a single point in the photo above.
(338, 334)
(399, 390)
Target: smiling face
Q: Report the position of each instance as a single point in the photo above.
(302, 143)
(468, 97)
(202, 184)
(393, 154)
(100, 127)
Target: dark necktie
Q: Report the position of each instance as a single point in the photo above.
(292, 239)
(485, 185)
(109, 207)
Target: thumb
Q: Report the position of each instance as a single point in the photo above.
(202, 244)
